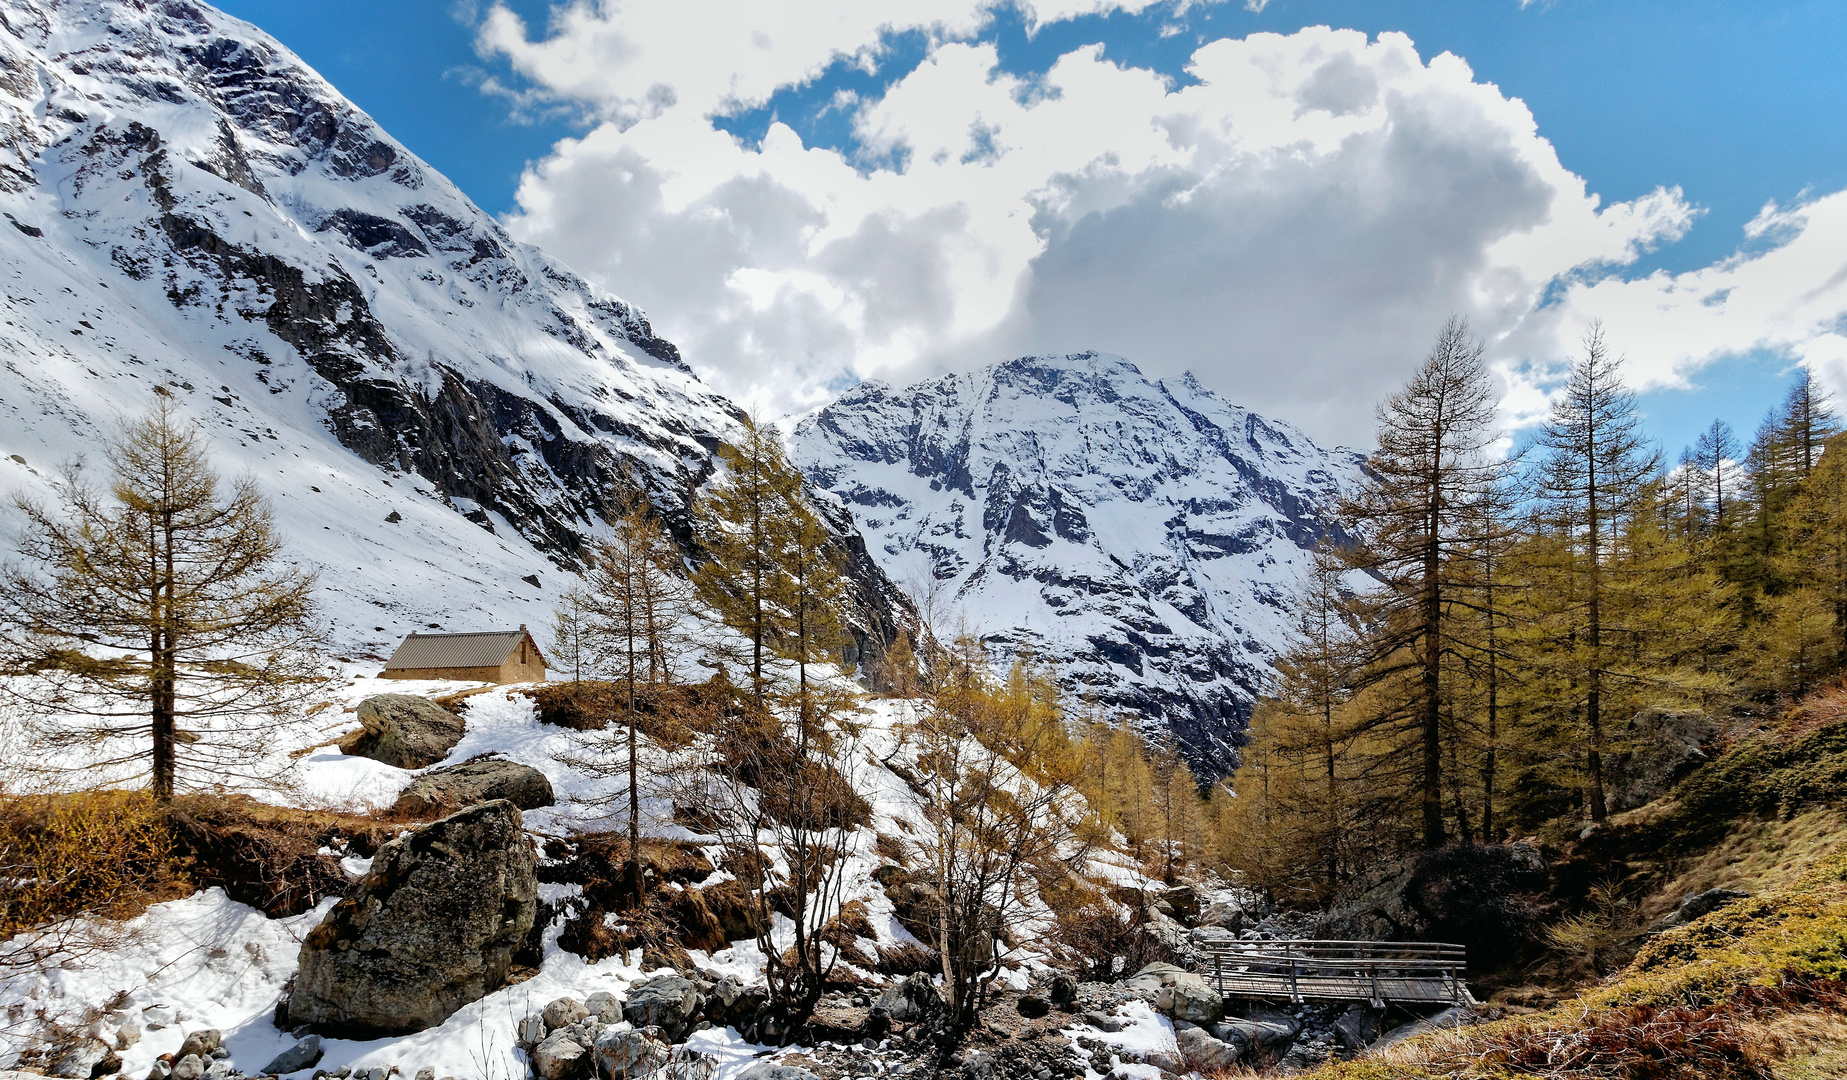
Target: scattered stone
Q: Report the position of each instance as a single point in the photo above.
(161, 1070)
(1102, 1021)
(405, 731)
(444, 791)
(564, 1012)
(531, 1030)
(127, 1033)
(428, 1072)
(607, 1007)
(768, 1071)
(1222, 914)
(560, 1058)
(305, 1054)
(188, 1067)
(432, 926)
(916, 998)
(1032, 1006)
(668, 1002)
(201, 1043)
(626, 1052)
(1200, 1052)
(82, 1060)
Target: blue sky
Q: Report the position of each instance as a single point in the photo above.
(1734, 104)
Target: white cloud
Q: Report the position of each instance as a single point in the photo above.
(1787, 296)
(1293, 226)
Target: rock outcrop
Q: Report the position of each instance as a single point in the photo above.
(432, 926)
(444, 791)
(405, 731)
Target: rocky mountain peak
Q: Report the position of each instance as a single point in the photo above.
(1141, 535)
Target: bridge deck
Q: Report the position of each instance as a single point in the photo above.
(1406, 973)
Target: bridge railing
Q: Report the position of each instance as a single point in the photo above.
(1374, 971)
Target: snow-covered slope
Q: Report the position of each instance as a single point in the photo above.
(1140, 535)
(439, 413)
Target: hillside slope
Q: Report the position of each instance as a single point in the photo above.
(1140, 535)
(441, 415)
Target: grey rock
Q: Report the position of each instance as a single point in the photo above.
(432, 927)
(1266, 1033)
(1221, 913)
(446, 790)
(979, 1065)
(1192, 999)
(1448, 1019)
(305, 1054)
(219, 1069)
(531, 1030)
(404, 730)
(1698, 905)
(1200, 1052)
(1356, 1028)
(1102, 1021)
(428, 1072)
(159, 1071)
(560, 1058)
(80, 1060)
(563, 1012)
(621, 1052)
(606, 1006)
(668, 1002)
(911, 1000)
(201, 1043)
(1663, 745)
(768, 1071)
(127, 1033)
(188, 1067)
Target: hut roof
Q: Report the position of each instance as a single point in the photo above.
(489, 649)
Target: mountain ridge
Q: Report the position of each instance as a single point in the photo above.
(1144, 533)
(195, 208)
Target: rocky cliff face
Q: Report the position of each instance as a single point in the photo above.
(440, 414)
(1141, 536)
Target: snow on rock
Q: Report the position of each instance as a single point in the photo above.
(439, 414)
(1142, 536)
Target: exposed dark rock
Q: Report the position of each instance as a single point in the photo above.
(404, 730)
(668, 1002)
(446, 790)
(305, 1054)
(1660, 746)
(433, 926)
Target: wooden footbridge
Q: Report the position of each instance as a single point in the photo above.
(1379, 973)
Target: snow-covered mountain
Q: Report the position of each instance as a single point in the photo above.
(439, 414)
(1142, 536)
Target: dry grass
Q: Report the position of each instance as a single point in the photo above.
(270, 857)
(1755, 857)
(74, 866)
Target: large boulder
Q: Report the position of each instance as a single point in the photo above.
(1179, 993)
(622, 1051)
(668, 1002)
(457, 787)
(1200, 1052)
(1659, 747)
(404, 730)
(432, 927)
(914, 999)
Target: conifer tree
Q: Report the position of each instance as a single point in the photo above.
(745, 529)
(1434, 483)
(165, 600)
(1592, 477)
(1715, 457)
(631, 607)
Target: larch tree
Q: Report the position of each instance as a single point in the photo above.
(1592, 477)
(743, 524)
(633, 601)
(1715, 456)
(168, 632)
(1431, 489)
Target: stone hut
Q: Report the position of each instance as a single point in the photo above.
(501, 656)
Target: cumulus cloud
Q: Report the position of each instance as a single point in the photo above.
(1293, 224)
